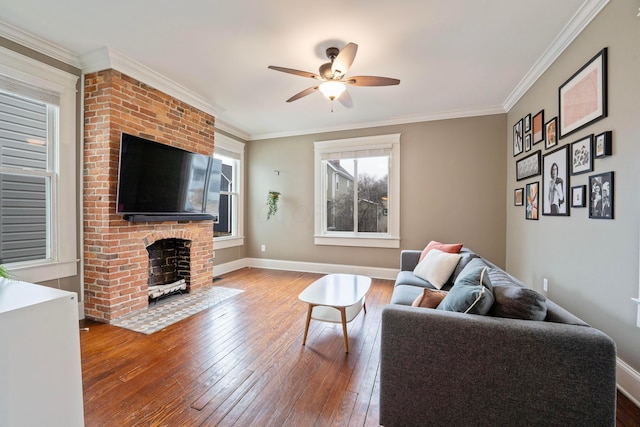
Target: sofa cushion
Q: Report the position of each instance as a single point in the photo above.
(408, 278)
(429, 298)
(452, 248)
(515, 301)
(437, 267)
(405, 294)
(471, 294)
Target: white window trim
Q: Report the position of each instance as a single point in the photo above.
(225, 143)
(64, 257)
(391, 239)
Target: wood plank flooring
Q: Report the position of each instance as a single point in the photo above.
(242, 363)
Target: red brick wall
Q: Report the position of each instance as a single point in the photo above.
(115, 256)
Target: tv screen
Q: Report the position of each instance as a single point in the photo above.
(157, 179)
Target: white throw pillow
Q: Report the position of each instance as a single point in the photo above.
(436, 267)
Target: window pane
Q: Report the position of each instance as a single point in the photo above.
(373, 190)
(23, 218)
(340, 196)
(224, 226)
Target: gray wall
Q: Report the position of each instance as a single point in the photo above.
(592, 265)
(452, 189)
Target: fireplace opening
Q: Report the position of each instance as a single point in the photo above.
(169, 268)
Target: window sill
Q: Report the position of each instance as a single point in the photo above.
(36, 272)
(360, 241)
(227, 242)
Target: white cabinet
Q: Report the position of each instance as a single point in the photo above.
(40, 371)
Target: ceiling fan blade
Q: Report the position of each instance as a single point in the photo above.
(345, 99)
(305, 92)
(371, 81)
(345, 58)
(296, 72)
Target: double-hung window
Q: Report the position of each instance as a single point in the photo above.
(37, 169)
(357, 192)
(228, 229)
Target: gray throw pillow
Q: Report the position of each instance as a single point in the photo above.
(470, 294)
(515, 301)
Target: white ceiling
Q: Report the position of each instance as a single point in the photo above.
(454, 58)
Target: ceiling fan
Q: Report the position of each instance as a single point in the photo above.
(332, 76)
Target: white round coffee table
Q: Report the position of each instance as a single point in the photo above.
(335, 298)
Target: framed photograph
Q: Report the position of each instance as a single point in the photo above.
(538, 127)
(551, 130)
(518, 197)
(527, 123)
(603, 144)
(527, 142)
(528, 166)
(578, 196)
(601, 196)
(582, 155)
(582, 99)
(555, 182)
(517, 138)
(532, 200)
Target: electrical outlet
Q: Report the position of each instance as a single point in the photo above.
(545, 285)
(263, 248)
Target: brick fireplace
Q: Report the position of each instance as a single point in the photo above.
(116, 259)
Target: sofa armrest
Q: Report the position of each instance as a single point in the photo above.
(446, 368)
(409, 259)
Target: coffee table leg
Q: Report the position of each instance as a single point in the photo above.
(306, 328)
(344, 328)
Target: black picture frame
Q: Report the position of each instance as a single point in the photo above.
(527, 123)
(579, 196)
(551, 132)
(555, 189)
(601, 196)
(528, 166)
(582, 155)
(517, 138)
(533, 197)
(518, 197)
(582, 99)
(527, 142)
(537, 126)
(602, 144)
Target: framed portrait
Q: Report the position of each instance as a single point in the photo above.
(527, 123)
(603, 144)
(528, 166)
(531, 212)
(601, 196)
(578, 196)
(537, 123)
(582, 155)
(582, 99)
(555, 182)
(551, 130)
(527, 142)
(517, 138)
(518, 197)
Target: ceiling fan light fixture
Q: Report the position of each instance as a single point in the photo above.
(331, 89)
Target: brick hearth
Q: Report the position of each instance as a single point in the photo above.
(115, 256)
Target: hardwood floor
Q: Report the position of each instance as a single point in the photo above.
(242, 363)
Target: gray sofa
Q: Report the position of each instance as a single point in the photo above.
(443, 368)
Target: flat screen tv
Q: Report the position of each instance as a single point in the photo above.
(157, 182)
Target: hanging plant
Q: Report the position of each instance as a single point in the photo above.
(272, 203)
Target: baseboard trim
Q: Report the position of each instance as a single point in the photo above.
(307, 267)
(628, 381)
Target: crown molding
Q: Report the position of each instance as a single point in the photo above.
(38, 44)
(589, 10)
(106, 58)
